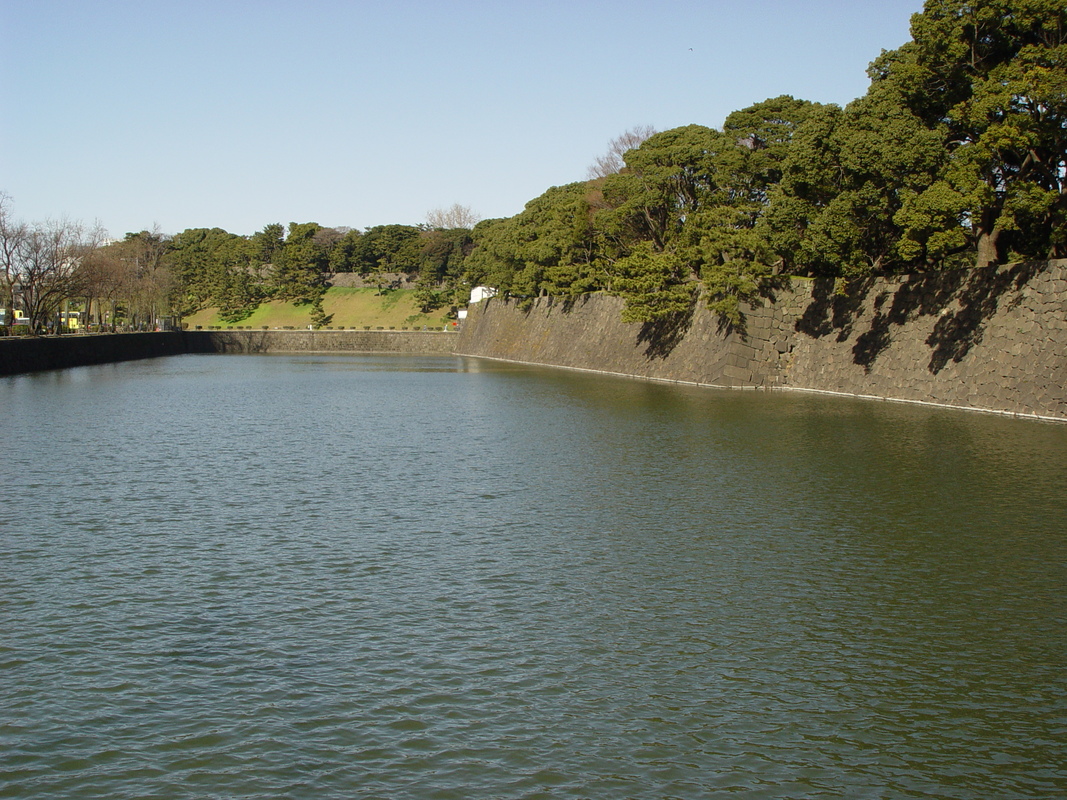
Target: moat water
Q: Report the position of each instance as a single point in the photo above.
(411, 577)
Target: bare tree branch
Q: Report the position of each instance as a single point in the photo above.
(612, 161)
(456, 216)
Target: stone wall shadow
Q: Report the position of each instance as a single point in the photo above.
(771, 285)
(955, 334)
(257, 342)
(661, 336)
(977, 291)
(875, 339)
(227, 341)
(241, 342)
(829, 311)
(915, 295)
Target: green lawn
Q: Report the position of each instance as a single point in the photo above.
(351, 308)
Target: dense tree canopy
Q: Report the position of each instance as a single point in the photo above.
(991, 78)
(956, 156)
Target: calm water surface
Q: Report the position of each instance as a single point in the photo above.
(374, 577)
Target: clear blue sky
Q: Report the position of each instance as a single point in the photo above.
(235, 115)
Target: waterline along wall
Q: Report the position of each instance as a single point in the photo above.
(992, 339)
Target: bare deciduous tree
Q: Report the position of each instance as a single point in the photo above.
(327, 238)
(612, 161)
(12, 234)
(43, 266)
(40, 265)
(100, 282)
(456, 216)
(55, 252)
(133, 278)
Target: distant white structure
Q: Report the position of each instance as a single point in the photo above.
(479, 293)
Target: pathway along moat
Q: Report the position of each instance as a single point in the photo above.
(413, 577)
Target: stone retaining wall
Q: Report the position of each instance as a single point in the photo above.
(321, 341)
(992, 339)
(353, 280)
(30, 354)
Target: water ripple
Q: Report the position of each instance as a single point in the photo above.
(433, 578)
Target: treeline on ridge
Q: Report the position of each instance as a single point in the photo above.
(955, 157)
(213, 268)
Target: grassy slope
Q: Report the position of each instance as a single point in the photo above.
(351, 308)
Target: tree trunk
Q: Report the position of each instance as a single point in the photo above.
(988, 248)
(989, 237)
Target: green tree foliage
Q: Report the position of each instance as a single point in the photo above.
(319, 317)
(765, 130)
(991, 78)
(666, 179)
(735, 252)
(300, 272)
(216, 268)
(654, 283)
(648, 216)
(391, 248)
(346, 254)
(696, 196)
(490, 262)
(957, 154)
(844, 181)
(442, 255)
(549, 248)
(267, 244)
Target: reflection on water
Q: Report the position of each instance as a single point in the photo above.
(419, 577)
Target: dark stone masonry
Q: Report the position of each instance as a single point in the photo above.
(321, 341)
(31, 354)
(992, 339)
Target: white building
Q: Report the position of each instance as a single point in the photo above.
(479, 293)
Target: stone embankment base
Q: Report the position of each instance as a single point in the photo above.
(991, 340)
